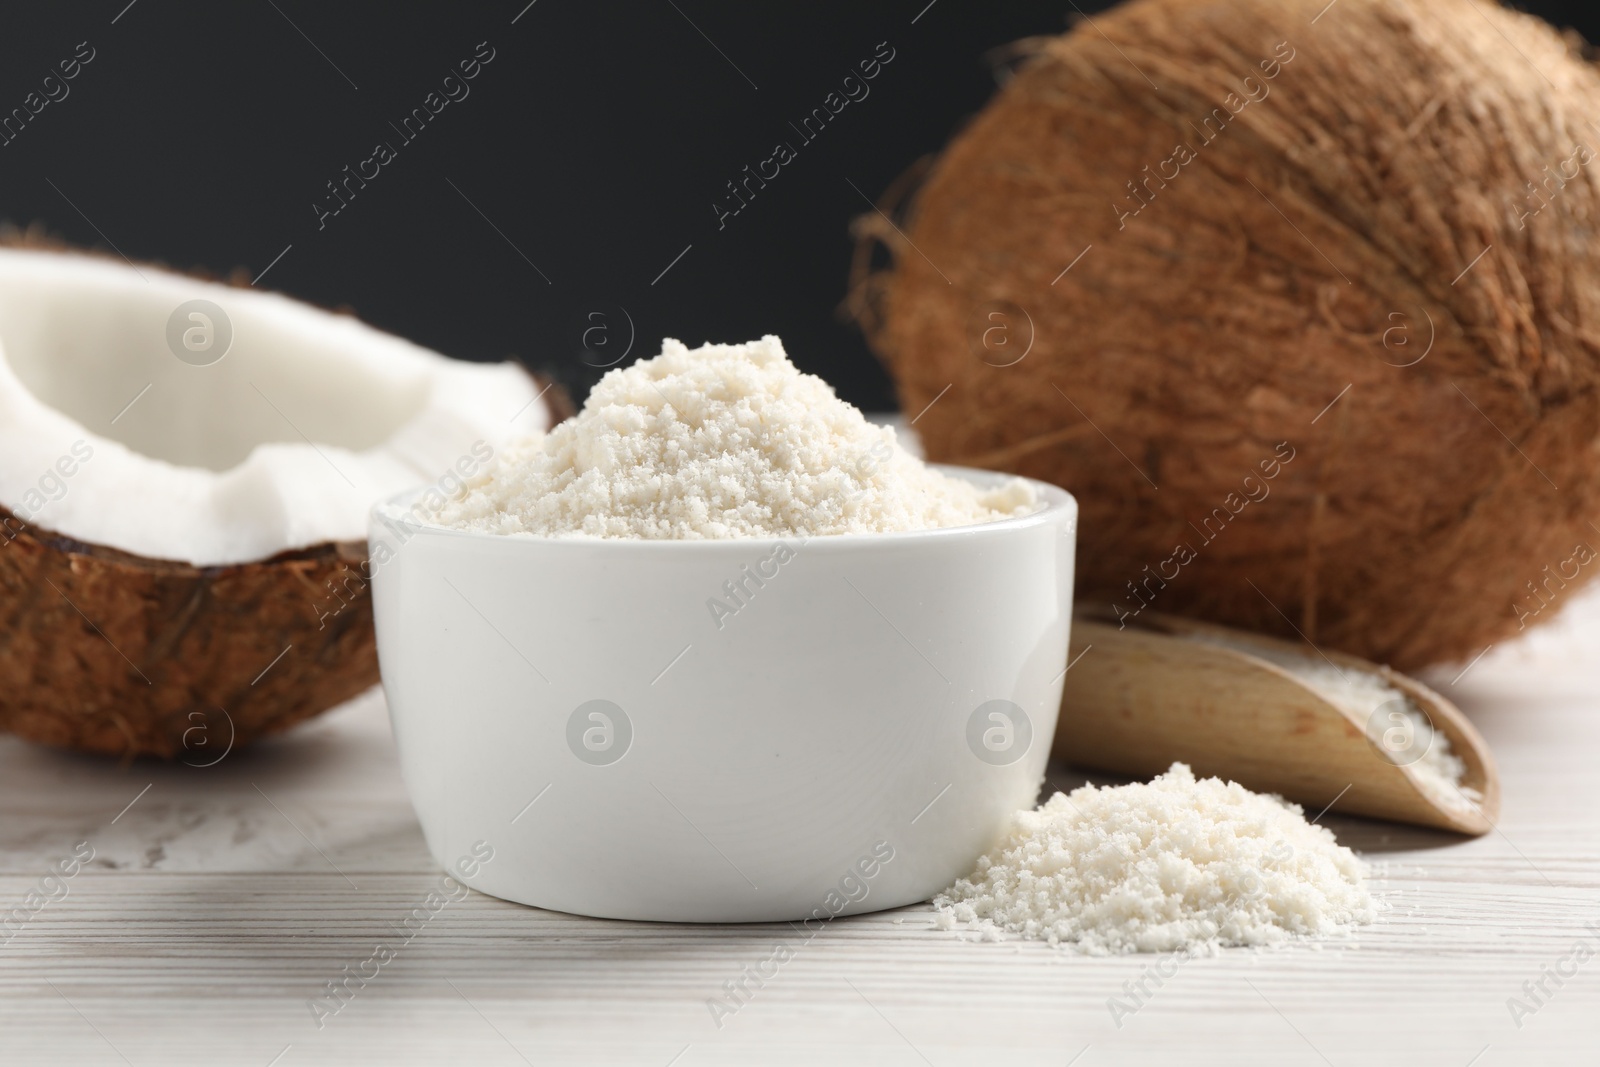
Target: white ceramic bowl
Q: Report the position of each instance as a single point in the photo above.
(848, 732)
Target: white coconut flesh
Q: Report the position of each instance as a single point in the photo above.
(283, 443)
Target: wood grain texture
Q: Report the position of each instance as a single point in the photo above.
(226, 897)
(1147, 697)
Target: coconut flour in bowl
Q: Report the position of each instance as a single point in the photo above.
(718, 442)
(637, 661)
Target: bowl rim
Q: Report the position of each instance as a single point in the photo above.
(1058, 505)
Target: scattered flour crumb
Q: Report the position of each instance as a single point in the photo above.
(722, 441)
(1362, 693)
(1175, 864)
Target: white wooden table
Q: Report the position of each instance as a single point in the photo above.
(220, 900)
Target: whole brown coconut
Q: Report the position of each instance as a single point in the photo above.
(1313, 299)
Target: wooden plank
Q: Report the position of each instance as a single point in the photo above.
(224, 898)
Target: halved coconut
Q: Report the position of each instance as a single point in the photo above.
(185, 473)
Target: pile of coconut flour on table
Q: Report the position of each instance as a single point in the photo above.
(719, 442)
(1175, 864)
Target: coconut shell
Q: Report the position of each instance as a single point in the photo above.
(1381, 257)
(108, 652)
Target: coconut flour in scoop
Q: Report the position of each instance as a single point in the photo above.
(722, 441)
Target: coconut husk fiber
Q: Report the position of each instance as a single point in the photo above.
(1313, 280)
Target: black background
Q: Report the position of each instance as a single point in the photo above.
(595, 143)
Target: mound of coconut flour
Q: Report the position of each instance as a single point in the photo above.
(1175, 864)
(722, 441)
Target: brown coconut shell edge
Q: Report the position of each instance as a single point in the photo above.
(103, 651)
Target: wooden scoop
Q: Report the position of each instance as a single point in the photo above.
(1139, 698)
